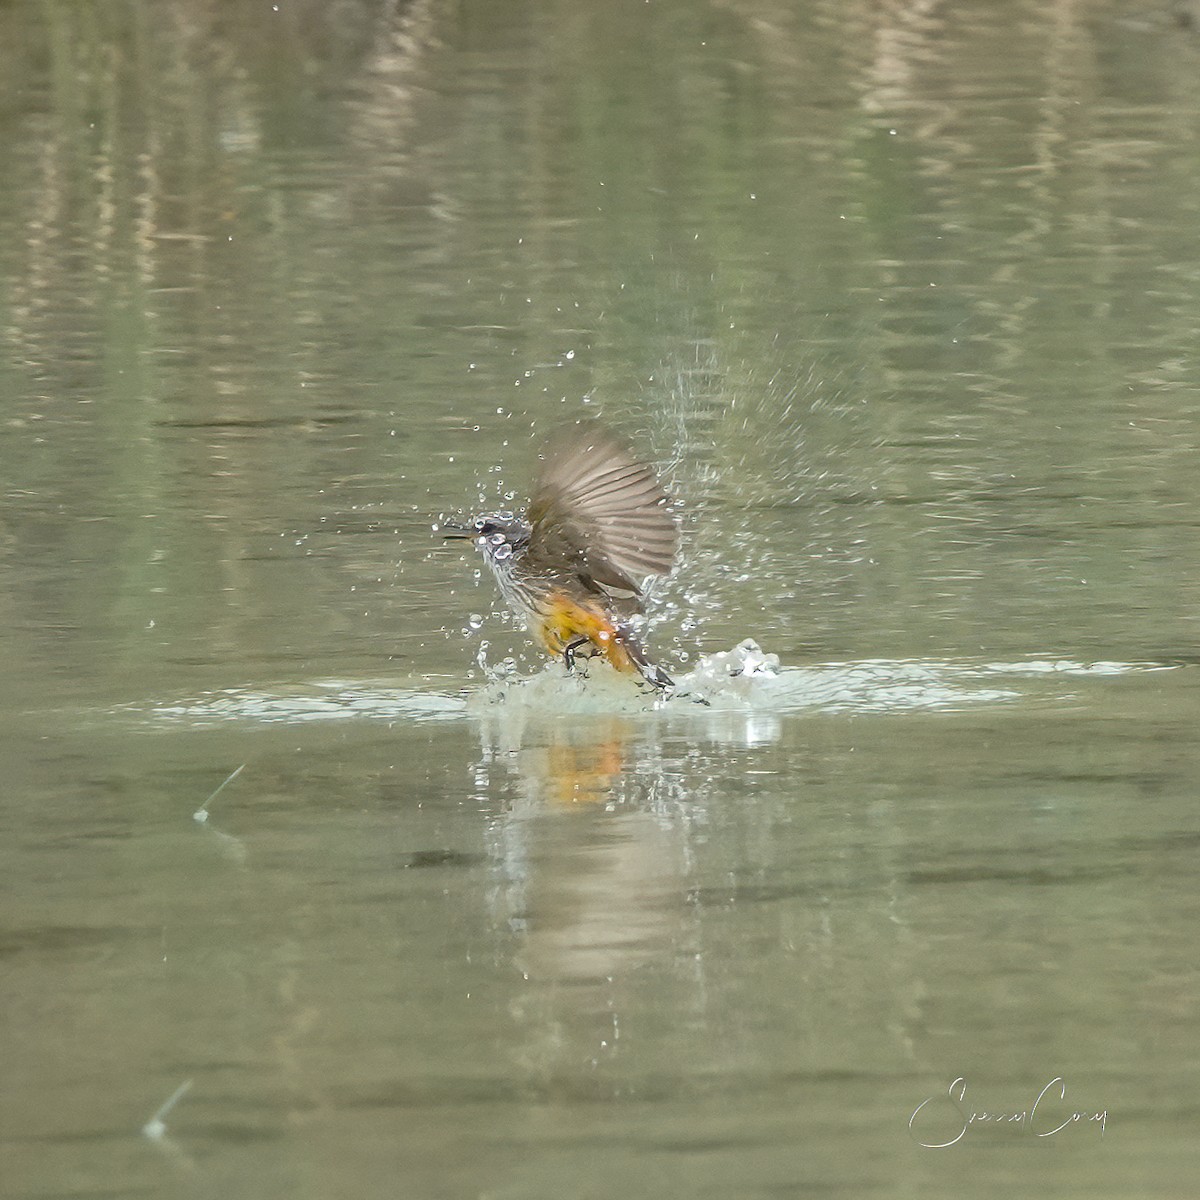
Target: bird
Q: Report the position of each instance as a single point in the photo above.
(575, 564)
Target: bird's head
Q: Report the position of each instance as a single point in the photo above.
(498, 535)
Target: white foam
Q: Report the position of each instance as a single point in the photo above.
(327, 701)
(742, 680)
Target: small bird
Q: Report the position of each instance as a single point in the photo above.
(574, 566)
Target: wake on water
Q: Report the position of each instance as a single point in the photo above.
(743, 679)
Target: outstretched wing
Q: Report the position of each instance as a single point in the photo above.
(599, 509)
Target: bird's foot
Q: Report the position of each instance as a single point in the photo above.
(569, 656)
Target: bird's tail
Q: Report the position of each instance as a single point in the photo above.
(625, 653)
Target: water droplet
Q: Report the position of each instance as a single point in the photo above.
(475, 620)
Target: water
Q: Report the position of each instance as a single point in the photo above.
(903, 300)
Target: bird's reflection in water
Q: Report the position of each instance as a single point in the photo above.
(591, 861)
(585, 769)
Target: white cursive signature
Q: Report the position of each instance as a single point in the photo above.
(1039, 1119)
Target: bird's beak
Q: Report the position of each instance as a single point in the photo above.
(455, 529)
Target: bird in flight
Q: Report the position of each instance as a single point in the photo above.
(576, 563)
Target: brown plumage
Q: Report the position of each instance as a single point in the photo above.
(600, 510)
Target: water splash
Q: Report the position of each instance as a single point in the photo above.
(596, 689)
(747, 679)
(742, 680)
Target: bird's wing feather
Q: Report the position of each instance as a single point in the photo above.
(597, 507)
